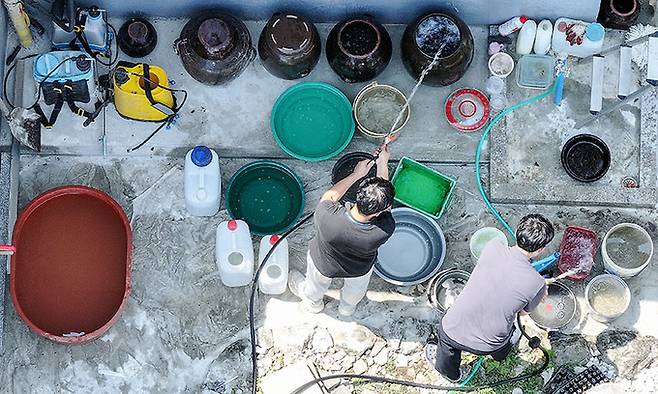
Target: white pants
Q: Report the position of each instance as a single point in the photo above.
(316, 285)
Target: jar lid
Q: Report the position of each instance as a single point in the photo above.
(138, 32)
(215, 35)
(201, 156)
(595, 31)
(290, 33)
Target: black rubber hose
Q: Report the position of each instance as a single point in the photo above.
(252, 297)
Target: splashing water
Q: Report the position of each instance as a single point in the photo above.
(426, 70)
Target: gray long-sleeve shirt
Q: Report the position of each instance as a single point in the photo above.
(502, 284)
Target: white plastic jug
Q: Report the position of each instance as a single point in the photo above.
(543, 37)
(526, 38)
(202, 182)
(234, 253)
(588, 39)
(273, 277)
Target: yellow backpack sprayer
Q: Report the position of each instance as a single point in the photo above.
(142, 92)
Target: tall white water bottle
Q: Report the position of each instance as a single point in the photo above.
(234, 253)
(273, 277)
(202, 182)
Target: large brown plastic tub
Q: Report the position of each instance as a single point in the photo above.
(70, 275)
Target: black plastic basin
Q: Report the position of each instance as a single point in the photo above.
(586, 158)
(345, 166)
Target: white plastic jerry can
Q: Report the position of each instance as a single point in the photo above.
(202, 182)
(234, 253)
(273, 277)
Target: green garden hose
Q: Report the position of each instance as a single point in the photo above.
(479, 152)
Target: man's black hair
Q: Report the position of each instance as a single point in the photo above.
(534, 232)
(374, 195)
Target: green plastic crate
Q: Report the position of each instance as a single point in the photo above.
(422, 188)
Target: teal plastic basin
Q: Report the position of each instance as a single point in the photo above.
(267, 195)
(312, 121)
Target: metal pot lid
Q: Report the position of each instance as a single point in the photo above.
(557, 310)
(467, 109)
(445, 287)
(415, 251)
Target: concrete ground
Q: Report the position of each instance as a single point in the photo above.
(183, 331)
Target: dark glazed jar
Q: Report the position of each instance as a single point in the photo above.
(289, 46)
(137, 37)
(215, 49)
(358, 49)
(619, 14)
(430, 33)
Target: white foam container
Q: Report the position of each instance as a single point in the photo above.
(234, 253)
(273, 277)
(611, 266)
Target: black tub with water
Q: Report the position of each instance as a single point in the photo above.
(586, 158)
(345, 166)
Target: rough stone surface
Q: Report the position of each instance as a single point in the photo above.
(322, 340)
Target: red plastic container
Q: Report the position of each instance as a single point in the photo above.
(578, 249)
(70, 274)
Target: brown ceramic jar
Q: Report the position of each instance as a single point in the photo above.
(358, 49)
(430, 33)
(215, 49)
(289, 46)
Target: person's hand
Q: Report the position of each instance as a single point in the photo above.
(384, 156)
(363, 168)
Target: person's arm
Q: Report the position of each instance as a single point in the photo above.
(340, 188)
(541, 296)
(382, 162)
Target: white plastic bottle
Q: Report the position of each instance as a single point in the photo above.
(589, 37)
(526, 38)
(543, 37)
(234, 253)
(273, 277)
(202, 182)
(512, 25)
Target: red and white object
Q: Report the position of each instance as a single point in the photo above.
(467, 109)
(577, 38)
(234, 253)
(7, 250)
(273, 277)
(512, 25)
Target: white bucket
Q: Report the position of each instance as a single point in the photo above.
(614, 267)
(614, 286)
(481, 238)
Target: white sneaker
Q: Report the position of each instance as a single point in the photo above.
(346, 310)
(295, 284)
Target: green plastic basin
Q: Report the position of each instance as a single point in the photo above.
(312, 121)
(422, 188)
(267, 195)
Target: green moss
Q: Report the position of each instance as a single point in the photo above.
(493, 371)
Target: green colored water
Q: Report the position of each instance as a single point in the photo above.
(422, 189)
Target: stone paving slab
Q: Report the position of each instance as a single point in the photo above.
(526, 148)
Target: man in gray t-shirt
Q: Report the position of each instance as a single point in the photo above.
(347, 238)
(503, 283)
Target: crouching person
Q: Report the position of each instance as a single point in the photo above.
(347, 238)
(503, 284)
